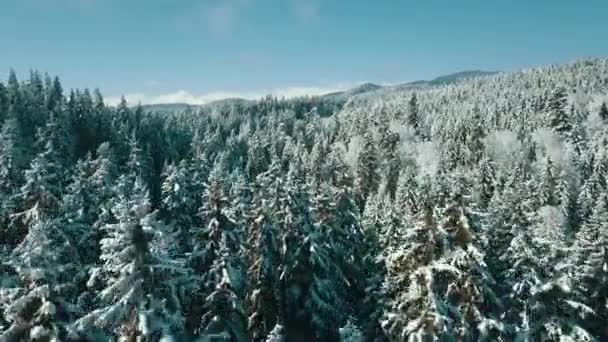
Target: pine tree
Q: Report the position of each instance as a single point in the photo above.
(558, 118)
(414, 115)
(543, 304)
(54, 95)
(39, 198)
(277, 334)
(415, 309)
(486, 184)
(179, 207)
(216, 252)
(476, 138)
(591, 268)
(262, 277)
(367, 179)
(604, 112)
(548, 183)
(79, 207)
(307, 267)
(3, 103)
(11, 162)
(43, 301)
(143, 287)
(567, 201)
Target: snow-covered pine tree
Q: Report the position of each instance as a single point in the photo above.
(217, 309)
(11, 163)
(367, 178)
(548, 180)
(542, 304)
(413, 118)
(179, 205)
(567, 197)
(101, 182)
(373, 268)
(39, 198)
(309, 280)
(42, 301)
(277, 334)
(139, 163)
(415, 309)
(350, 333)
(486, 184)
(558, 116)
(475, 308)
(142, 287)
(262, 276)
(11, 157)
(590, 268)
(604, 112)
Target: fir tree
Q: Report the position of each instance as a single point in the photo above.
(558, 118)
(604, 112)
(414, 115)
(179, 207)
(143, 287)
(367, 178)
(591, 268)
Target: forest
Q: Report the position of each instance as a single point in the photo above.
(469, 211)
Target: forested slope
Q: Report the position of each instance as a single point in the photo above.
(470, 211)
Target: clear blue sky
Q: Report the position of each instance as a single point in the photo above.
(158, 47)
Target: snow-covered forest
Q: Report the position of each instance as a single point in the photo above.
(473, 211)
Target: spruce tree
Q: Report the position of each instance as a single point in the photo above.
(604, 112)
(143, 287)
(367, 177)
(558, 117)
(179, 205)
(590, 270)
(414, 115)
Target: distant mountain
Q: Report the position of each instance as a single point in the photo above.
(336, 97)
(170, 107)
(459, 76)
(441, 80)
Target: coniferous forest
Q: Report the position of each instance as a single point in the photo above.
(470, 211)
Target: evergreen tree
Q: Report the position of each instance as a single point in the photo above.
(415, 309)
(414, 115)
(11, 161)
(3, 103)
(143, 287)
(548, 184)
(43, 301)
(558, 118)
(367, 178)
(179, 207)
(604, 112)
(39, 198)
(591, 270)
(262, 276)
(542, 302)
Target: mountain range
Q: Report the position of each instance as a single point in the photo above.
(340, 96)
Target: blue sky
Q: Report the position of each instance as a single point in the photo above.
(197, 50)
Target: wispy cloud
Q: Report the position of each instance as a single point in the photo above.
(153, 84)
(183, 96)
(307, 11)
(221, 17)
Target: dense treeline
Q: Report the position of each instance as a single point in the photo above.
(465, 212)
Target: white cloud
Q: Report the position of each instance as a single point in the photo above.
(183, 96)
